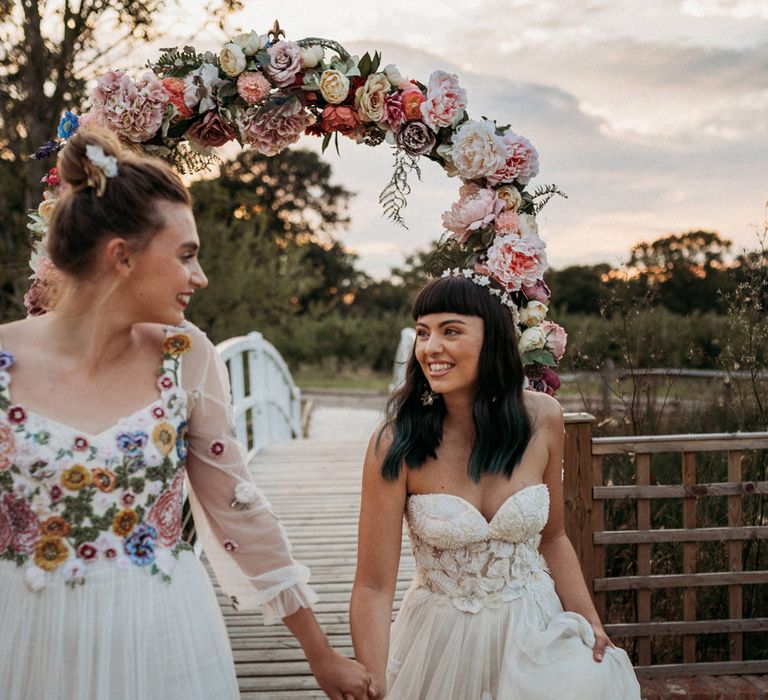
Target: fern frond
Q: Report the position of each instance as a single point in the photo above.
(394, 197)
(545, 193)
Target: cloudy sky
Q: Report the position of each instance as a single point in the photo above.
(651, 114)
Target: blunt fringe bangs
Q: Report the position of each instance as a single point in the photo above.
(502, 424)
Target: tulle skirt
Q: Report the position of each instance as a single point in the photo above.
(122, 634)
(522, 649)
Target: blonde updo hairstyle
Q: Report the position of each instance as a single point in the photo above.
(127, 206)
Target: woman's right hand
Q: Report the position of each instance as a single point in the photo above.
(377, 689)
(339, 677)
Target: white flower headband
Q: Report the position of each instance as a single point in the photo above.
(98, 167)
(484, 281)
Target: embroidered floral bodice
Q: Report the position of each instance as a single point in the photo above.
(72, 502)
(473, 562)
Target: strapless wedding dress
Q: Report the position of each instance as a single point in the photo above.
(482, 621)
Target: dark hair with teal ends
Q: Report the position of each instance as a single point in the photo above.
(502, 424)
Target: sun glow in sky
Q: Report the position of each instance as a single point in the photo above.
(651, 114)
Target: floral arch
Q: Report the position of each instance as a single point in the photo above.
(265, 92)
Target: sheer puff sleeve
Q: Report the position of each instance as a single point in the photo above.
(242, 537)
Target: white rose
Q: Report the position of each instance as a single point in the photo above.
(531, 339)
(533, 314)
(478, 150)
(511, 197)
(312, 55)
(251, 43)
(46, 209)
(334, 86)
(394, 76)
(369, 99)
(232, 59)
(528, 225)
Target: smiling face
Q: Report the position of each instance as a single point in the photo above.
(447, 348)
(166, 273)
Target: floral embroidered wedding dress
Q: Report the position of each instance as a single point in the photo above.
(99, 596)
(482, 621)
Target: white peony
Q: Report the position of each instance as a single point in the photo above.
(477, 150)
(533, 313)
(232, 60)
(312, 55)
(531, 339)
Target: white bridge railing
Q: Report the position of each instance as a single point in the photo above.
(402, 354)
(267, 403)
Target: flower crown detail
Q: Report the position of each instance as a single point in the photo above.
(266, 92)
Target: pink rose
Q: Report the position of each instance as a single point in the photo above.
(165, 513)
(252, 86)
(270, 131)
(521, 162)
(537, 292)
(556, 339)
(211, 130)
(514, 261)
(284, 62)
(393, 111)
(475, 209)
(507, 222)
(445, 102)
(412, 99)
(341, 119)
(174, 88)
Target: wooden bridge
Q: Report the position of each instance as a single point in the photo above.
(315, 488)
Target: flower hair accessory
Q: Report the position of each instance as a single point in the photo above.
(98, 167)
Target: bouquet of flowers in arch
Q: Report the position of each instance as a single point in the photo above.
(265, 92)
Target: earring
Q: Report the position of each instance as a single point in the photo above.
(428, 397)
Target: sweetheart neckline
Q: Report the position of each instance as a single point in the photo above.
(475, 508)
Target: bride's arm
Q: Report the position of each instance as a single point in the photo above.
(378, 557)
(555, 546)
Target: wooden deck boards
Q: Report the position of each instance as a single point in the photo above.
(315, 489)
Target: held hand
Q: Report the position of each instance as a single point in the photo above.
(377, 689)
(341, 678)
(601, 642)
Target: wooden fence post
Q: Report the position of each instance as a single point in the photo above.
(577, 489)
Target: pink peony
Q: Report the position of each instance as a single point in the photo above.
(556, 339)
(270, 131)
(507, 222)
(174, 88)
(446, 101)
(284, 62)
(133, 110)
(537, 292)
(475, 209)
(514, 261)
(522, 161)
(252, 86)
(393, 111)
(211, 130)
(341, 119)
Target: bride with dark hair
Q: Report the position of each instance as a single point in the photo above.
(498, 608)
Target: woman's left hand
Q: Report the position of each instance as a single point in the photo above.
(601, 642)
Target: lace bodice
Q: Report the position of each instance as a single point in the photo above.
(72, 503)
(473, 562)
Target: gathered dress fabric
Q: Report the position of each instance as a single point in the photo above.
(482, 620)
(99, 595)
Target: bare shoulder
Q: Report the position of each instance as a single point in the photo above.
(544, 410)
(379, 443)
(24, 334)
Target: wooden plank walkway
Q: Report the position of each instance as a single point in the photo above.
(314, 487)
